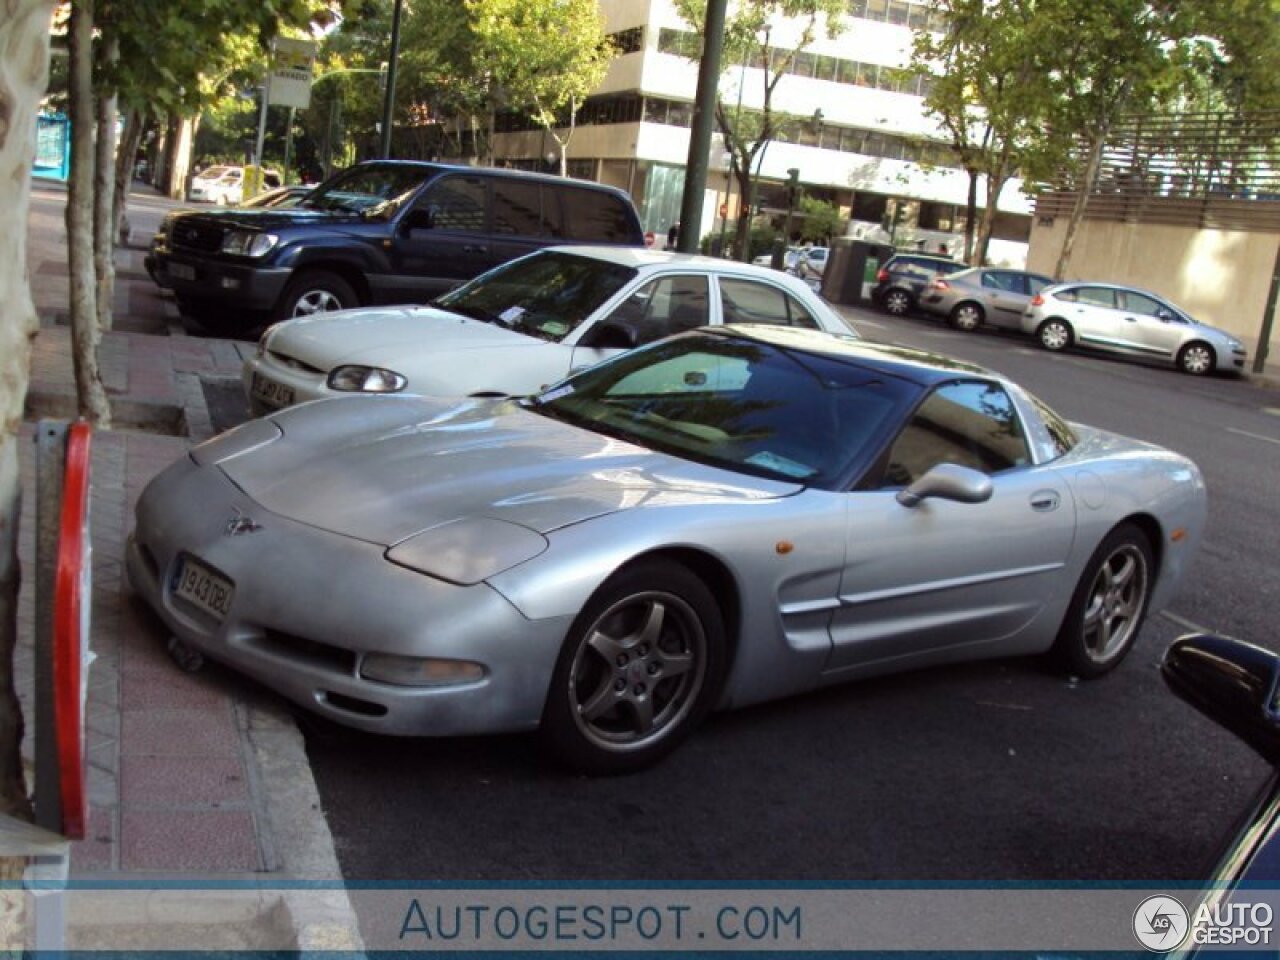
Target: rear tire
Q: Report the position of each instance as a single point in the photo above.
(967, 317)
(1108, 605)
(1197, 359)
(897, 302)
(1055, 335)
(315, 291)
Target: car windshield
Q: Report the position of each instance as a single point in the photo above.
(213, 173)
(546, 295)
(375, 191)
(763, 409)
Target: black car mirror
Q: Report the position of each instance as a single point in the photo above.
(949, 481)
(420, 218)
(610, 335)
(1232, 683)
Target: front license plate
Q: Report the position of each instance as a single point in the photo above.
(182, 271)
(271, 393)
(200, 586)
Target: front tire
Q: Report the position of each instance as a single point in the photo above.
(897, 302)
(967, 317)
(315, 291)
(1108, 605)
(1055, 335)
(1197, 359)
(640, 667)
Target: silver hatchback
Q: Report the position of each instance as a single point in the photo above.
(990, 296)
(1132, 322)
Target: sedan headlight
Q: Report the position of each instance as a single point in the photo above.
(468, 550)
(248, 243)
(354, 378)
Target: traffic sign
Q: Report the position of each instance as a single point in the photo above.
(649, 238)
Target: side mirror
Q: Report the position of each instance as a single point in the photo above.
(610, 335)
(1164, 315)
(1232, 683)
(419, 218)
(949, 481)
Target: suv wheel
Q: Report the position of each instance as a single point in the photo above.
(315, 291)
(897, 302)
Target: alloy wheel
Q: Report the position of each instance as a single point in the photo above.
(967, 317)
(316, 301)
(897, 303)
(1055, 335)
(1115, 604)
(1196, 359)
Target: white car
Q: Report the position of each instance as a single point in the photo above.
(521, 326)
(224, 185)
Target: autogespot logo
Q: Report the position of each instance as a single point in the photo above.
(1160, 923)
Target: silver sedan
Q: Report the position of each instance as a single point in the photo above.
(1130, 322)
(724, 517)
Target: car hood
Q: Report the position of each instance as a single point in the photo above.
(381, 336)
(274, 218)
(382, 469)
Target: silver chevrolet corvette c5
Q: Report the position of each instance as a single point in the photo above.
(724, 517)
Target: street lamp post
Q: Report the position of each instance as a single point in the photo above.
(389, 99)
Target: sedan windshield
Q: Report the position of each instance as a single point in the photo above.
(374, 190)
(753, 407)
(546, 295)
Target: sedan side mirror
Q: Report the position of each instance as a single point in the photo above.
(1232, 683)
(949, 481)
(610, 335)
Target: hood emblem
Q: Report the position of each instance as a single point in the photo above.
(239, 524)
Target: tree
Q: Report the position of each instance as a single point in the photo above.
(546, 56)
(822, 220)
(748, 27)
(990, 91)
(24, 64)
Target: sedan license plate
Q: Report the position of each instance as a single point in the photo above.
(271, 393)
(182, 271)
(200, 586)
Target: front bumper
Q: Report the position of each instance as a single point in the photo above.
(281, 383)
(236, 285)
(309, 605)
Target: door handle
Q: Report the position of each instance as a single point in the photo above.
(1045, 501)
(476, 248)
(1132, 319)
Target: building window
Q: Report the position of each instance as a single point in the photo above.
(628, 41)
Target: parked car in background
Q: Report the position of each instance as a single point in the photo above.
(723, 517)
(523, 325)
(387, 231)
(1132, 323)
(902, 280)
(789, 259)
(811, 264)
(224, 185)
(979, 296)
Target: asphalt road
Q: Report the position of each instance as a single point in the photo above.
(997, 771)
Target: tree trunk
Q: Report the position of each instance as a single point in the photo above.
(183, 131)
(1083, 189)
(126, 155)
(742, 232)
(970, 215)
(104, 194)
(84, 313)
(24, 33)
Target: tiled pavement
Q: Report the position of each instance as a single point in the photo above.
(185, 770)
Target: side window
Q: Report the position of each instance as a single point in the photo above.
(552, 214)
(799, 314)
(1000, 280)
(1096, 296)
(1036, 284)
(1138, 303)
(665, 306)
(517, 208)
(745, 301)
(457, 203)
(972, 424)
(596, 217)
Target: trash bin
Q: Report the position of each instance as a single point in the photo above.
(852, 269)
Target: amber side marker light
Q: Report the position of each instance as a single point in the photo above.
(784, 547)
(1179, 534)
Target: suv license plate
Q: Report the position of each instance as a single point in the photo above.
(271, 393)
(201, 587)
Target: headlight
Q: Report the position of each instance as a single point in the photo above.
(419, 671)
(357, 379)
(247, 243)
(468, 550)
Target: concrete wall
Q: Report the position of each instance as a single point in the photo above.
(1221, 277)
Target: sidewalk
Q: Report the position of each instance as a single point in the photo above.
(194, 779)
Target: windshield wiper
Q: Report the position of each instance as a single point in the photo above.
(475, 313)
